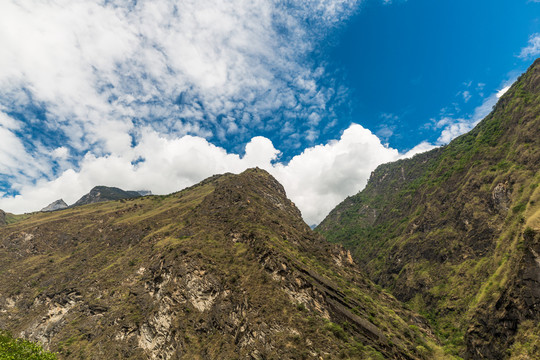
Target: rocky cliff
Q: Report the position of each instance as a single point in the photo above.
(225, 269)
(454, 231)
(105, 193)
(56, 205)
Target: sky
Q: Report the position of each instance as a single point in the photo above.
(160, 94)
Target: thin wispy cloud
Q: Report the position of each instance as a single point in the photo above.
(453, 127)
(533, 48)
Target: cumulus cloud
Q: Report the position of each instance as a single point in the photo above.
(316, 180)
(322, 176)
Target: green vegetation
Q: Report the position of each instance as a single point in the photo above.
(20, 349)
(445, 230)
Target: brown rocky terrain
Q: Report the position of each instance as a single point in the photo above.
(226, 269)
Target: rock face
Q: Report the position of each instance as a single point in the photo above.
(446, 230)
(105, 193)
(2, 218)
(57, 205)
(515, 312)
(225, 269)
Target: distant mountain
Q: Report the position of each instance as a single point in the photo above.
(226, 269)
(455, 232)
(105, 193)
(57, 205)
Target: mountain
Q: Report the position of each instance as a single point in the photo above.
(105, 193)
(455, 232)
(2, 218)
(57, 205)
(226, 269)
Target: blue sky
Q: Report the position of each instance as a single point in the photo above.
(412, 61)
(160, 94)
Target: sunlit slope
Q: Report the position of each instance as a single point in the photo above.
(225, 269)
(454, 231)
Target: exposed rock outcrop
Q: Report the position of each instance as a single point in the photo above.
(500, 196)
(56, 205)
(105, 193)
(225, 269)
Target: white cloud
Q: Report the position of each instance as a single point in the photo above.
(420, 148)
(95, 66)
(316, 180)
(60, 153)
(122, 83)
(533, 48)
(503, 91)
(323, 175)
(15, 160)
(118, 80)
(454, 127)
(466, 96)
(8, 122)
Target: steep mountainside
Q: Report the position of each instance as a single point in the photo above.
(226, 269)
(105, 193)
(455, 231)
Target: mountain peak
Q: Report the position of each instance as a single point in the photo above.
(105, 193)
(56, 205)
(224, 269)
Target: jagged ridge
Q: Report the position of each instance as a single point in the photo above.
(105, 193)
(225, 269)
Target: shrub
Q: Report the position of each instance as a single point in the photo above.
(529, 234)
(20, 349)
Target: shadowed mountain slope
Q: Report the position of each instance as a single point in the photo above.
(105, 193)
(226, 269)
(455, 231)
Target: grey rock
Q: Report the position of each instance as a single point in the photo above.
(57, 205)
(105, 193)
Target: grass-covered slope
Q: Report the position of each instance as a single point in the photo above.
(226, 269)
(454, 231)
